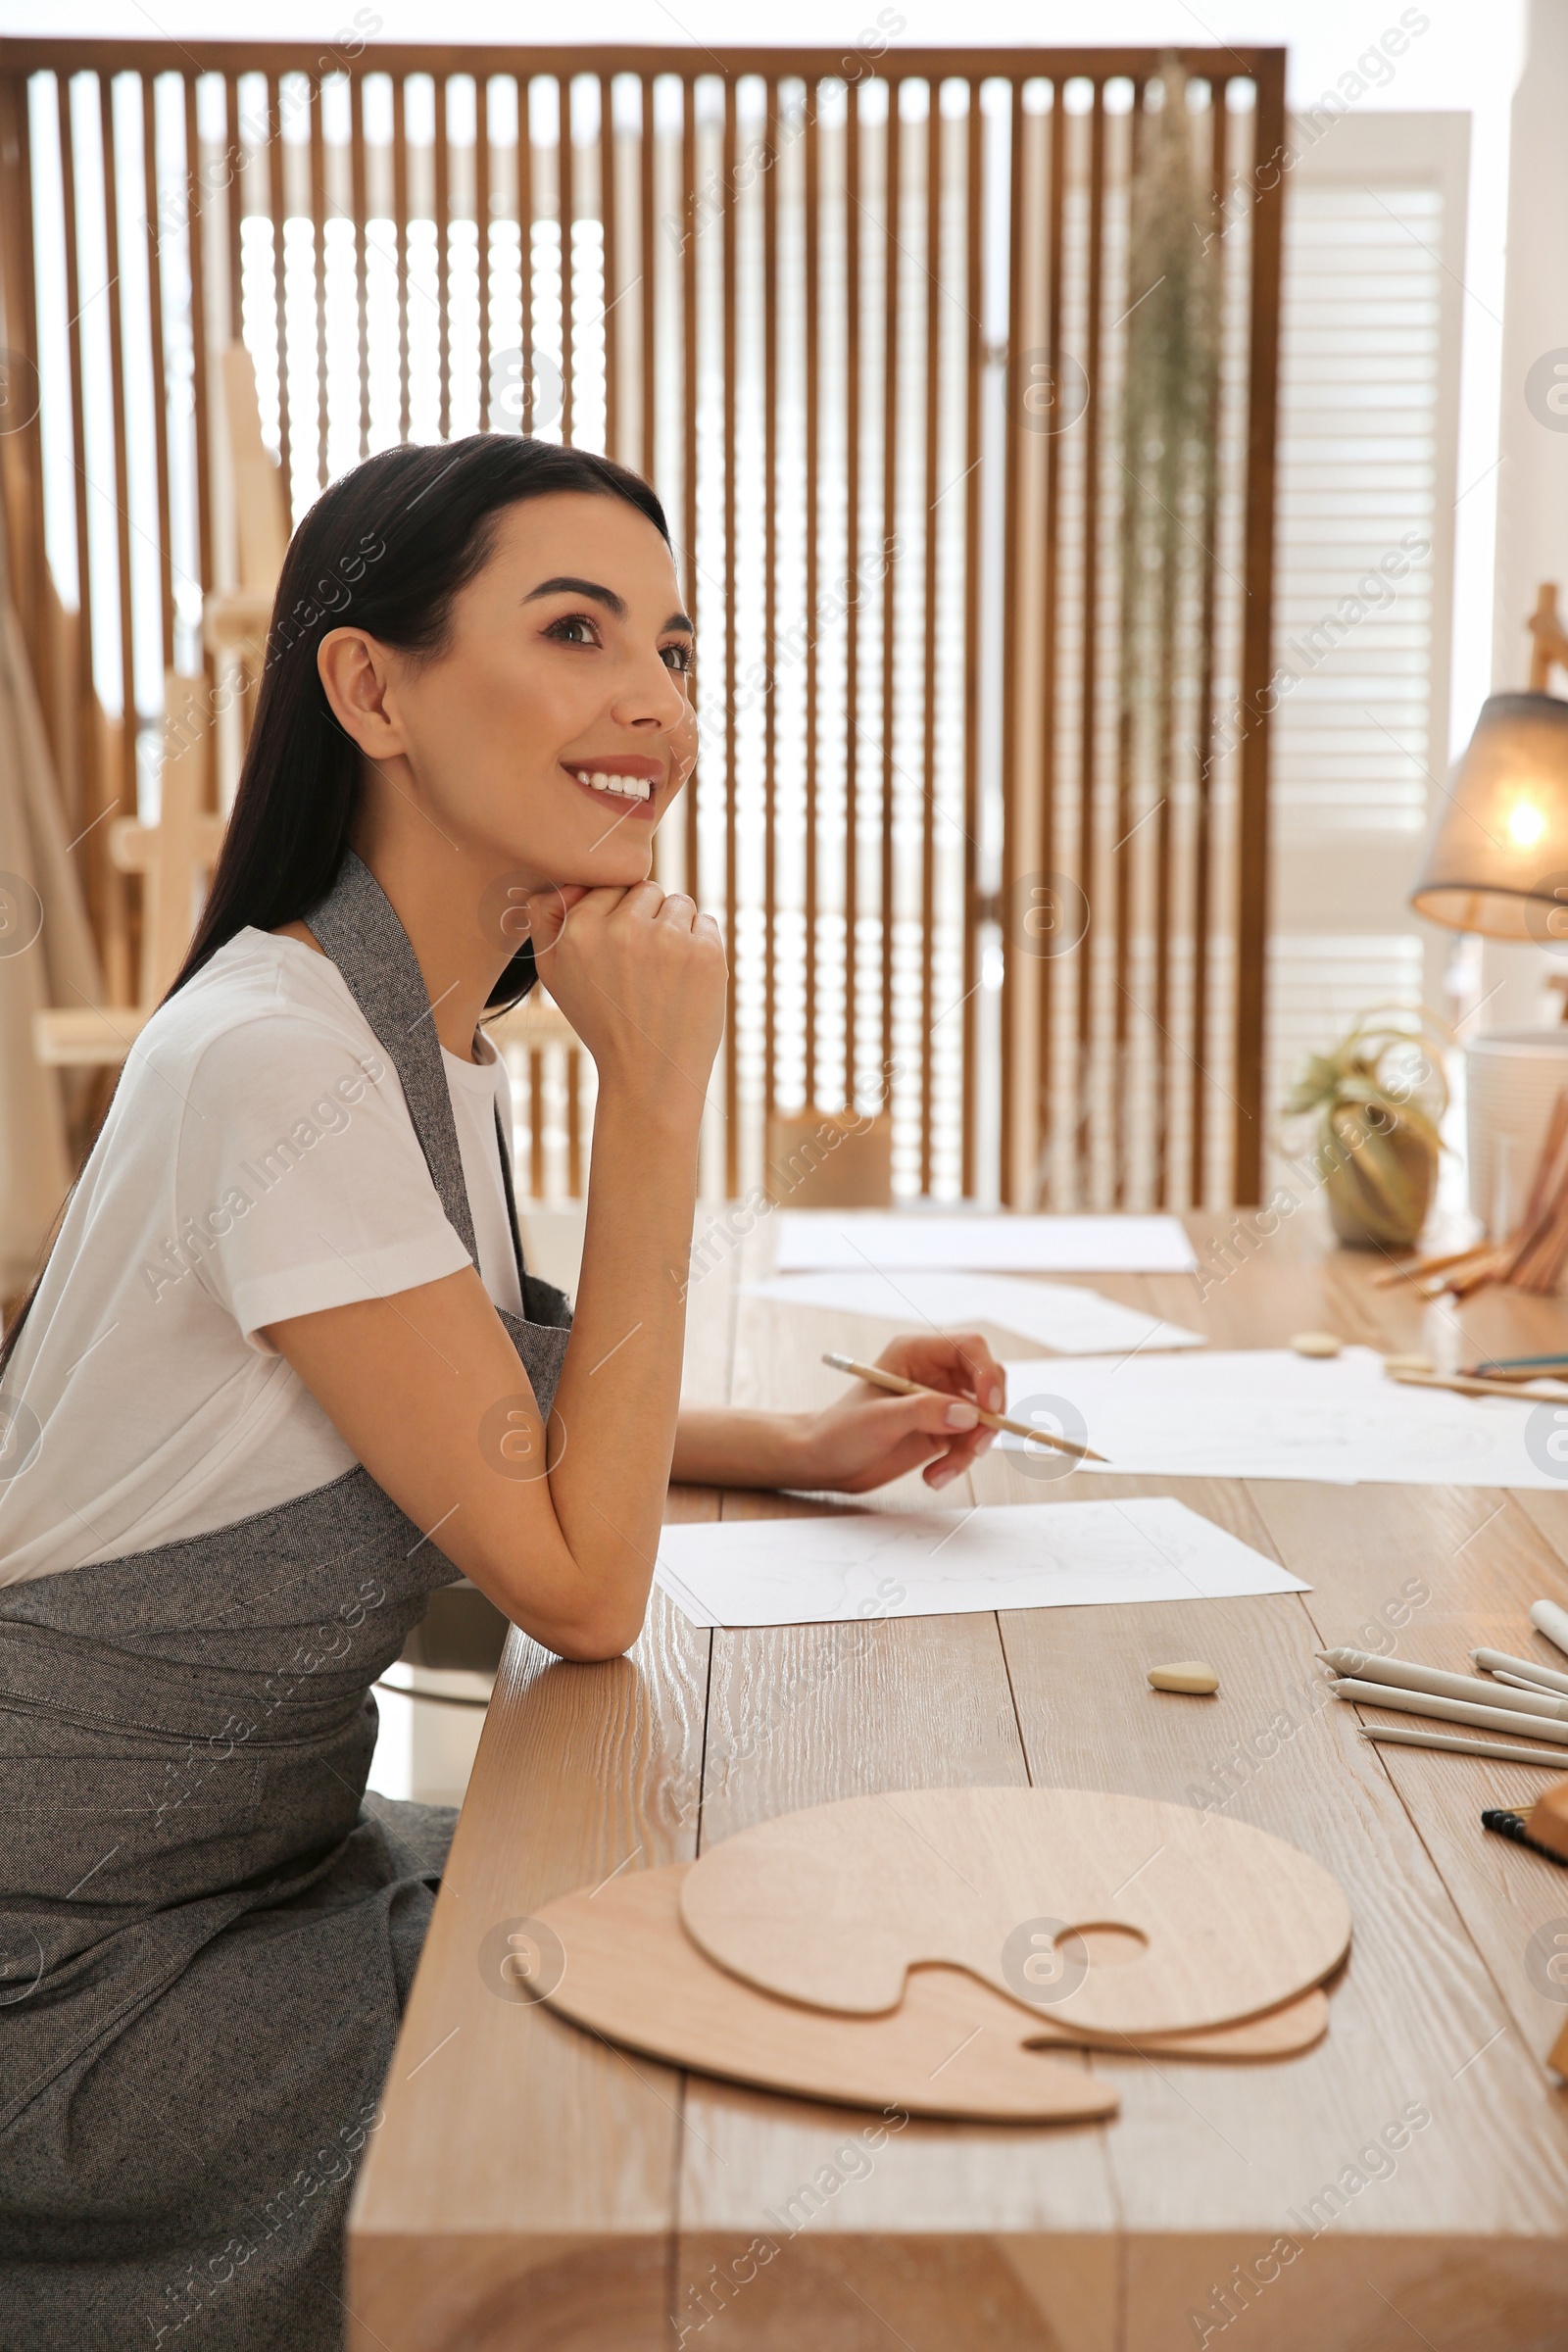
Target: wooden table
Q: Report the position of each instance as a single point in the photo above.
(533, 2187)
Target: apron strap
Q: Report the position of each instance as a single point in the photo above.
(512, 1208)
(542, 1303)
(358, 926)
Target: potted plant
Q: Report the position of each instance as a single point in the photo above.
(1377, 1100)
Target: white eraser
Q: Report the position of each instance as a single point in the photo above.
(1548, 1619)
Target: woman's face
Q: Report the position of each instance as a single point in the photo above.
(554, 727)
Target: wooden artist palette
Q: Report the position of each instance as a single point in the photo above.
(1114, 1915)
(1282, 2032)
(952, 2048)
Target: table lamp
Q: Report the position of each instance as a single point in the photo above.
(1496, 863)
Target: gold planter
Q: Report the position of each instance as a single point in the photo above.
(1379, 1174)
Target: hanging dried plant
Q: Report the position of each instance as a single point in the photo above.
(1168, 399)
(1168, 453)
(1378, 1097)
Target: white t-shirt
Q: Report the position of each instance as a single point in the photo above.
(258, 1161)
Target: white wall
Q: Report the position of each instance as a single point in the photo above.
(1533, 479)
(1532, 539)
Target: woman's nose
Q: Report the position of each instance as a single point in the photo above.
(652, 703)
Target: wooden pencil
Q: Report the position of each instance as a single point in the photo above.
(1462, 1384)
(1535, 1257)
(898, 1386)
(1532, 1257)
(1416, 1269)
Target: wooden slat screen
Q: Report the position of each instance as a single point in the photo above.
(826, 304)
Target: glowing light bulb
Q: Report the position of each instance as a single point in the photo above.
(1525, 825)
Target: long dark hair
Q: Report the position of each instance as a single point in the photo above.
(387, 548)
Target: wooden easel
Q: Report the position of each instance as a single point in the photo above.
(235, 619)
(173, 859)
(176, 855)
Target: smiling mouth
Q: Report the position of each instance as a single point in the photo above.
(612, 784)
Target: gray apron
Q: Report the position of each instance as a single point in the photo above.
(208, 1930)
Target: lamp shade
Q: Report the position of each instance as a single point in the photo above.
(1496, 860)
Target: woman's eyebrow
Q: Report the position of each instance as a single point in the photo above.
(566, 586)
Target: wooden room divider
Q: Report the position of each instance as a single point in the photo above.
(955, 370)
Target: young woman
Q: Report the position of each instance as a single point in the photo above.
(285, 1373)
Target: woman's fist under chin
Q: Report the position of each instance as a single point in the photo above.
(640, 974)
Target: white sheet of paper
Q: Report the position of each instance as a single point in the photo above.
(1270, 1413)
(998, 1243)
(862, 1565)
(1055, 1314)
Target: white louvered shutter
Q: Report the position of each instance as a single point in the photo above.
(1374, 255)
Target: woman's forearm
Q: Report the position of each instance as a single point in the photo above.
(729, 1446)
(611, 1432)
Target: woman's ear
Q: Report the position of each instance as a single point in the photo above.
(356, 679)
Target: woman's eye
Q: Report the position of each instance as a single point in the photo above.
(574, 629)
(677, 657)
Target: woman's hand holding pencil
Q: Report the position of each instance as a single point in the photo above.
(936, 1410)
(894, 1376)
(928, 1403)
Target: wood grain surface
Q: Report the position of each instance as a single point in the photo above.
(1403, 2180)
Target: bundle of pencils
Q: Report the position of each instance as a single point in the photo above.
(1533, 1256)
(1540, 1248)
